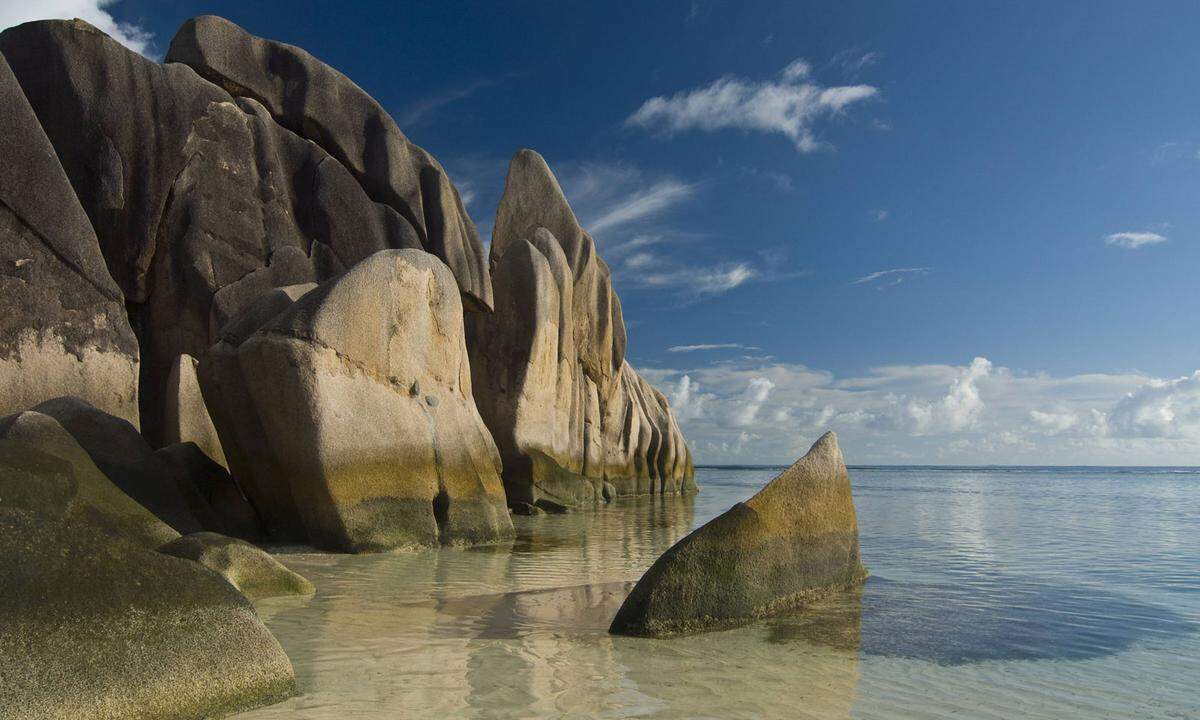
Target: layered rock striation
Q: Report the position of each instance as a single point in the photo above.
(574, 422)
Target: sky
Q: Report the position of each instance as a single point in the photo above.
(955, 233)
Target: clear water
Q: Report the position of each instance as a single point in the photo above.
(994, 593)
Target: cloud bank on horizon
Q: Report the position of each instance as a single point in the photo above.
(751, 410)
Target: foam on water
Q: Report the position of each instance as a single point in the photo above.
(995, 593)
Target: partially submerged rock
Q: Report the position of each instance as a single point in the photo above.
(63, 329)
(44, 470)
(251, 570)
(363, 391)
(96, 627)
(574, 423)
(314, 100)
(794, 541)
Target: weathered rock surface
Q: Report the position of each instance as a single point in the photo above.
(249, 451)
(125, 458)
(211, 494)
(568, 413)
(95, 627)
(314, 100)
(363, 390)
(63, 328)
(192, 191)
(252, 571)
(794, 541)
(185, 416)
(44, 470)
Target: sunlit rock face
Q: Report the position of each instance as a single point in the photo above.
(574, 423)
(362, 391)
(793, 542)
(202, 199)
(63, 329)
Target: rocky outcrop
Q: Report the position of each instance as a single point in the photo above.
(569, 415)
(314, 100)
(794, 541)
(212, 496)
(363, 392)
(253, 572)
(63, 329)
(43, 470)
(202, 200)
(98, 627)
(185, 416)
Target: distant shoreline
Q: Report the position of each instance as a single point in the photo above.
(1026, 468)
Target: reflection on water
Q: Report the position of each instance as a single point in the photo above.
(993, 594)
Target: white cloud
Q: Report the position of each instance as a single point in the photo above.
(698, 281)
(896, 275)
(976, 413)
(878, 214)
(790, 105)
(642, 204)
(130, 35)
(1134, 240)
(710, 346)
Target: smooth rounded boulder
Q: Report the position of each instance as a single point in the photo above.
(96, 627)
(251, 570)
(363, 390)
(795, 541)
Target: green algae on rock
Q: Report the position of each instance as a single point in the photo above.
(794, 541)
(95, 626)
(251, 570)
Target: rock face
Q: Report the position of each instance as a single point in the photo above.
(363, 391)
(63, 329)
(568, 413)
(212, 496)
(794, 541)
(44, 470)
(185, 416)
(319, 103)
(202, 200)
(98, 627)
(253, 572)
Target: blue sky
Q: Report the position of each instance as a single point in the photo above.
(953, 232)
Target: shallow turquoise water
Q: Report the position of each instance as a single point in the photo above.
(994, 593)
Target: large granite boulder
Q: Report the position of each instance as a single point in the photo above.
(44, 470)
(185, 415)
(192, 191)
(793, 542)
(244, 440)
(314, 100)
(213, 497)
(251, 570)
(96, 627)
(569, 415)
(63, 329)
(363, 390)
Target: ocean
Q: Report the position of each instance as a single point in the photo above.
(994, 593)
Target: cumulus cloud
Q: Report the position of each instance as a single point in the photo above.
(130, 35)
(791, 105)
(974, 413)
(1134, 240)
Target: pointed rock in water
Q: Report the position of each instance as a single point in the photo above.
(63, 329)
(251, 570)
(574, 423)
(185, 416)
(371, 466)
(97, 627)
(44, 470)
(794, 541)
(191, 190)
(313, 100)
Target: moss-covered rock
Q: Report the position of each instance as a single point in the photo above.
(45, 471)
(97, 627)
(794, 541)
(249, 569)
